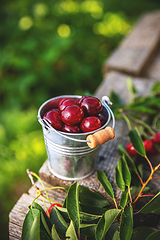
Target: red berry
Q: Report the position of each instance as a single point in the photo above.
(60, 102)
(81, 99)
(54, 118)
(71, 128)
(89, 124)
(67, 102)
(131, 150)
(156, 138)
(102, 118)
(91, 105)
(72, 114)
(50, 208)
(147, 145)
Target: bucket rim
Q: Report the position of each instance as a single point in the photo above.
(74, 136)
(44, 124)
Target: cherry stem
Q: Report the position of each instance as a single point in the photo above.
(145, 184)
(149, 195)
(140, 178)
(34, 174)
(129, 191)
(151, 167)
(115, 203)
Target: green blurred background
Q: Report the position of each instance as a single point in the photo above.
(49, 48)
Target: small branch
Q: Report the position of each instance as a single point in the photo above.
(129, 191)
(144, 185)
(149, 195)
(151, 167)
(140, 178)
(115, 203)
(30, 176)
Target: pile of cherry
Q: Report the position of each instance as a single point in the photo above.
(76, 116)
(150, 145)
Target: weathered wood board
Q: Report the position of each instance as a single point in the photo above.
(138, 47)
(152, 70)
(117, 82)
(19, 211)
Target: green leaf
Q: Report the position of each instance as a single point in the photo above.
(141, 233)
(130, 86)
(142, 109)
(72, 205)
(119, 176)
(137, 141)
(59, 222)
(35, 229)
(54, 233)
(125, 172)
(111, 231)
(152, 205)
(126, 225)
(71, 233)
(124, 199)
(105, 222)
(89, 197)
(92, 209)
(116, 236)
(31, 225)
(114, 97)
(45, 224)
(129, 161)
(88, 217)
(102, 178)
(37, 206)
(154, 236)
(88, 229)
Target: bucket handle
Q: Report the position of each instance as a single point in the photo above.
(89, 140)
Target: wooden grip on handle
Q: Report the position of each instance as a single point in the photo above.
(100, 137)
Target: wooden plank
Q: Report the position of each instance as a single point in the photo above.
(138, 47)
(17, 216)
(117, 82)
(152, 70)
(19, 211)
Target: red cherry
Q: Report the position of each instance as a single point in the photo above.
(72, 114)
(91, 105)
(67, 102)
(102, 118)
(156, 138)
(60, 102)
(131, 150)
(71, 128)
(147, 145)
(50, 208)
(54, 118)
(81, 99)
(91, 123)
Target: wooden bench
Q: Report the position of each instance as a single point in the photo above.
(137, 58)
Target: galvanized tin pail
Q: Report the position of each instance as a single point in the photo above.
(69, 156)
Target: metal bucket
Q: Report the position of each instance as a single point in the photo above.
(69, 156)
